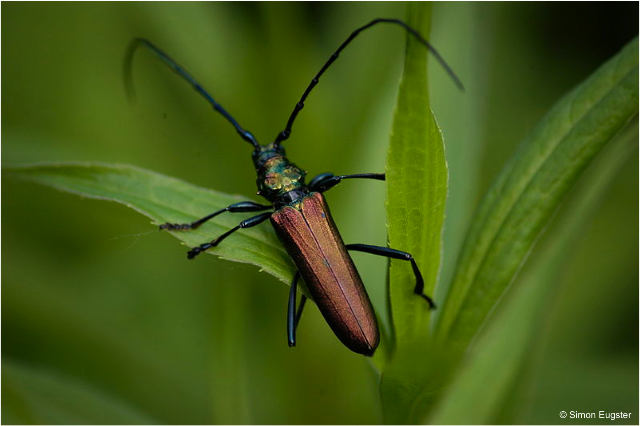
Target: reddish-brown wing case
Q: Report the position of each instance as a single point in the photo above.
(316, 247)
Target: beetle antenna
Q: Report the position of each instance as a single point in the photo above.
(178, 69)
(283, 135)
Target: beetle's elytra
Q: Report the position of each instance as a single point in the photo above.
(302, 220)
(316, 247)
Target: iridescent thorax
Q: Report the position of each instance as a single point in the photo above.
(278, 176)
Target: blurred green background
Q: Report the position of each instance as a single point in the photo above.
(105, 320)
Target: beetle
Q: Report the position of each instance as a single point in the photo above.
(302, 219)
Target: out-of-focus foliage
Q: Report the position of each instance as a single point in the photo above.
(521, 323)
(96, 306)
(529, 189)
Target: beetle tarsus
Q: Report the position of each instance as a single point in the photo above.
(177, 226)
(432, 305)
(247, 223)
(194, 252)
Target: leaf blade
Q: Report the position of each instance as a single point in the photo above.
(166, 199)
(521, 326)
(417, 179)
(528, 191)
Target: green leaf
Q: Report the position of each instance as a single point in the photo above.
(416, 188)
(416, 193)
(31, 396)
(504, 351)
(529, 190)
(166, 199)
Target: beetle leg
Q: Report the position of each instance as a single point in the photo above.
(242, 207)
(247, 223)
(397, 254)
(325, 181)
(293, 318)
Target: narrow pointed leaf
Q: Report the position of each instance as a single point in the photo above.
(416, 188)
(503, 353)
(416, 193)
(532, 186)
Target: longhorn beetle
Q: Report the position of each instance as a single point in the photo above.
(301, 217)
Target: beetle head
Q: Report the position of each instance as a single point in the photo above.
(263, 154)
